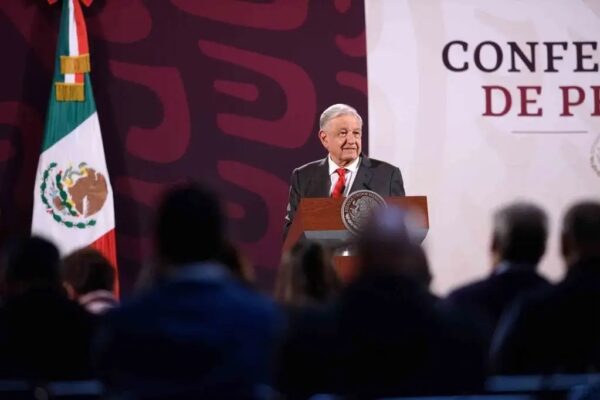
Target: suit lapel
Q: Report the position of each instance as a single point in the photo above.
(363, 175)
(321, 182)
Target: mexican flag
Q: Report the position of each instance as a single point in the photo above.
(73, 202)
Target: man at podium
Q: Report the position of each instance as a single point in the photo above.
(344, 169)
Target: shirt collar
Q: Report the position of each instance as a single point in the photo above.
(352, 167)
(507, 266)
(208, 271)
(95, 295)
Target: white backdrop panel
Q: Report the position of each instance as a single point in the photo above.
(429, 120)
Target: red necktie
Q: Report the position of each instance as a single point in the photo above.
(340, 185)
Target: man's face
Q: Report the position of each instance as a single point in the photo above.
(341, 137)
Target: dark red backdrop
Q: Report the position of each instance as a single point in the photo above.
(223, 91)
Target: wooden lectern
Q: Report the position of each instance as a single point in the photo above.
(320, 219)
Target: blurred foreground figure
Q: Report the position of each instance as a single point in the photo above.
(90, 279)
(239, 266)
(558, 330)
(385, 336)
(43, 334)
(518, 244)
(200, 332)
(385, 248)
(306, 276)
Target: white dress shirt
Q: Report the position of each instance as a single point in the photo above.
(351, 170)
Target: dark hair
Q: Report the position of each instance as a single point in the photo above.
(235, 262)
(87, 270)
(190, 225)
(384, 246)
(415, 265)
(581, 225)
(30, 262)
(520, 233)
(307, 275)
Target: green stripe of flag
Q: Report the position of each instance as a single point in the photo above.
(64, 116)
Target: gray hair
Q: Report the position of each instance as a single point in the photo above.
(337, 110)
(520, 232)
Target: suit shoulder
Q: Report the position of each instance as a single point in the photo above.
(381, 164)
(470, 290)
(311, 166)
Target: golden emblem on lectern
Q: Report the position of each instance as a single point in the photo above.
(357, 208)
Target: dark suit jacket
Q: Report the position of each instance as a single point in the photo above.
(313, 180)
(190, 338)
(384, 337)
(489, 297)
(44, 335)
(553, 331)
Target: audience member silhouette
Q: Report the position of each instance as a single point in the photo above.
(232, 258)
(43, 335)
(200, 333)
(558, 330)
(306, 286)
(389, 314)
(385, 336)
(385, 247)
(518, 243)
(90, 279)
(306, 276)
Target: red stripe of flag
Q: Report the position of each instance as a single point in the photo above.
(107, 245)
(82, 38)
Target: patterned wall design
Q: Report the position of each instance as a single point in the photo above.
(222, 91)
